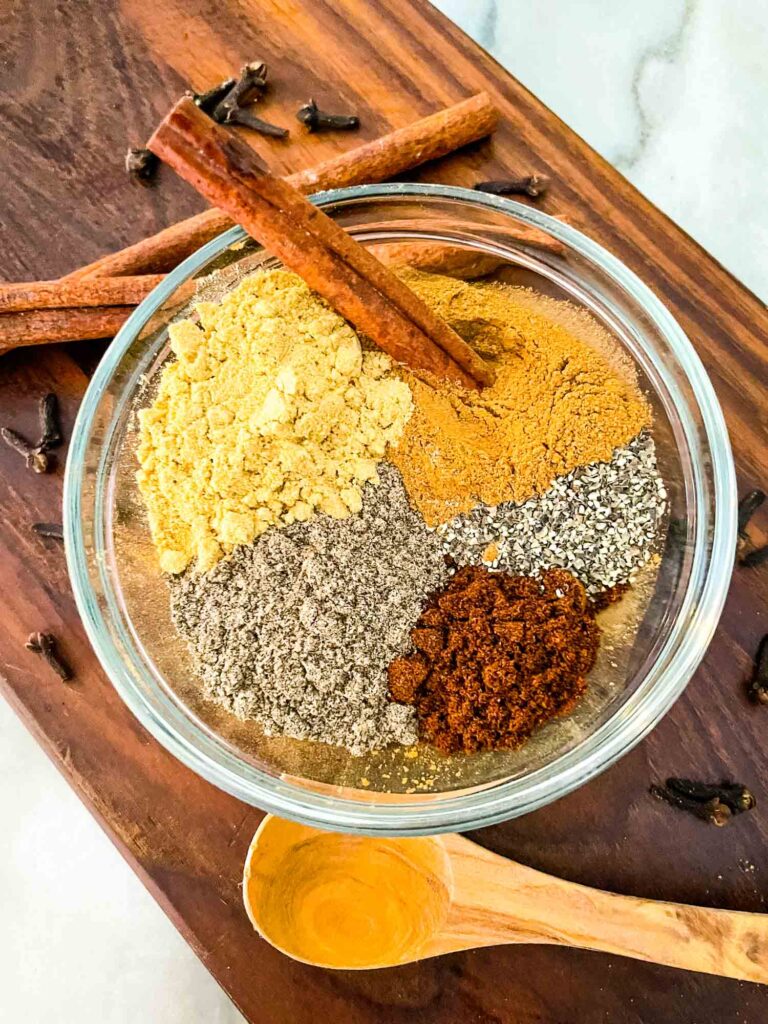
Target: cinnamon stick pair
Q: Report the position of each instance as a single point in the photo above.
(227, 172)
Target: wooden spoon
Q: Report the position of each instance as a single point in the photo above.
(350, 902)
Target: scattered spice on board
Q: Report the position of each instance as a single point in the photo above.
(249, 87)
(496, 656)
(35, 458)
(747, 554)
(51, 436)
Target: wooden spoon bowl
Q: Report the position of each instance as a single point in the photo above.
(354, 902)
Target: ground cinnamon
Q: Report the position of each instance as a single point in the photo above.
(564, 397)
(495, 656)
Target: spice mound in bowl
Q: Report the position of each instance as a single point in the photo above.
(370, 559)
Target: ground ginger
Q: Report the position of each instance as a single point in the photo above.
(270, 413)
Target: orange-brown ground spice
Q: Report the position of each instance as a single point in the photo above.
(495, 656)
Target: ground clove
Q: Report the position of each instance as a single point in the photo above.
(533, 185)
(758, 684)
(715, 803)
(316, 120)
(141, 165)
(44, 644)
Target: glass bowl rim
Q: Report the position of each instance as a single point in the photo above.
(506, 798)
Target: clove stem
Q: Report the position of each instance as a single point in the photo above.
(248, 120)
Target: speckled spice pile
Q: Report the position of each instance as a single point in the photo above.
(600, 522)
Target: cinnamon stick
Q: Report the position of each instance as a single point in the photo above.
(98, 291)
(227, 172)
(37, 327)
(426, 139)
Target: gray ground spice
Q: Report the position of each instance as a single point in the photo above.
(600, 522)
(297, 629)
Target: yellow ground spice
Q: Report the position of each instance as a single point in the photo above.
(563, 397)
(271, 411)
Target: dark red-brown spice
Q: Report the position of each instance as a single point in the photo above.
(496, 656)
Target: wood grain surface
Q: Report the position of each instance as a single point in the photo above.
(81, 81)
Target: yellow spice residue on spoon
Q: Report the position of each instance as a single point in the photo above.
(344, 901)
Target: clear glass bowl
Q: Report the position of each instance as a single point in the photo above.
(654, 639)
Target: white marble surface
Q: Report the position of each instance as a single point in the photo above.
(675, 94)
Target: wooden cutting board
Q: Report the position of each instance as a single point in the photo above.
(81, 81)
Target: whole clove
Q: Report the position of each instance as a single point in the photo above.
(249, 87)
(53, 530)
(50, 427)
(44, 644)
(210, 99)
(248, 120)
(36, 459)
(533, 185)
(141, 166)
(748, 505)
(758, 684)
(316, 120)
(715, 803)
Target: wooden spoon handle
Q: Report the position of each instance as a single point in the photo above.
(497, 901)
